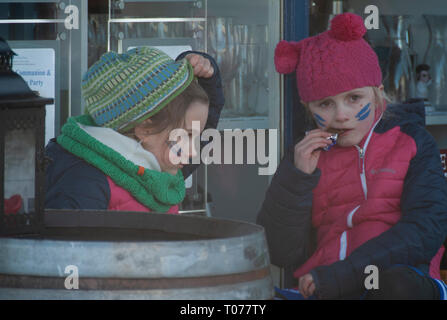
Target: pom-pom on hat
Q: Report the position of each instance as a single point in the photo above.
(122, 90)
(331, 62)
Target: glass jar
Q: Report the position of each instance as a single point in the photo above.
(399, 79)
(436, 58)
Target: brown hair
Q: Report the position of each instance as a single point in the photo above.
(382, 99)
(173, 114)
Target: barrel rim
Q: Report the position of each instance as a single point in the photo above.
(68, 218)
(197, 257)
(134, 219)
(117, 244)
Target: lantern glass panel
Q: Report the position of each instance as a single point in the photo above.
(20, 169)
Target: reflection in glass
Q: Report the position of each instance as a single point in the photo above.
(241, 52)
(399, 76)
(156, 9)
(223, 45)
(20, 170)
(252, 77)
(97, 36)
(29, 31)
(435, 57)
(237, 38)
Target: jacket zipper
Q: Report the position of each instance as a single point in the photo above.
(343, 238)
(362, 170)
(361, 151)
(361, 156)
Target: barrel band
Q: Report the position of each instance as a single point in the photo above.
(38, 282)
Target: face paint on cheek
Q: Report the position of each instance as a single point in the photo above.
(364, 113)
(320, 121)
(177, 150)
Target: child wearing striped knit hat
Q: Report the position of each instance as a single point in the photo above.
(118, 155)
(358, 207)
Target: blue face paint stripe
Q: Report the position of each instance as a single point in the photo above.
(364, 116)
(320, 123)
(320, 120)
(319, 117)
(362, 112)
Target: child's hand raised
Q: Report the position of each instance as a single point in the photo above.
(307, 151)
(201, 65)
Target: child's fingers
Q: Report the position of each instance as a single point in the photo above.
(314, 140)
(203, 69)
(313, 150)
(303, 284)
(312, 289)
(315, 136)
(303, 289)
(312, 144)
(202, 66)
(300, 286)
(306, 285)
(193, 58)
(206, 73)
(209, 71)
(307, 289)
(198, 70)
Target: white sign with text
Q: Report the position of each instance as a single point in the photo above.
(37, 67)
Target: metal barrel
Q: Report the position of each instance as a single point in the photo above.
(135, 255)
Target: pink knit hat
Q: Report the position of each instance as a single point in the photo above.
(331, 62)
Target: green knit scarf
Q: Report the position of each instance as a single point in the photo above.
(156, 190)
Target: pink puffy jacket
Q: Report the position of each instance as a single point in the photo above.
(358, 196)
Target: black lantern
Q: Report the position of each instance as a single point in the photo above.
(22, 160)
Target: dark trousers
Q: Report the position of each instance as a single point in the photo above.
(404, 283)
(399, 282)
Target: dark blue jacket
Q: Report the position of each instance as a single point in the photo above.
(72, 183)
(286, 215)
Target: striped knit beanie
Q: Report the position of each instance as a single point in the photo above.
(122, 90)
(332, 62)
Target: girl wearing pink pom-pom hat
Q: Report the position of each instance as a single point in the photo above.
(357, 209)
